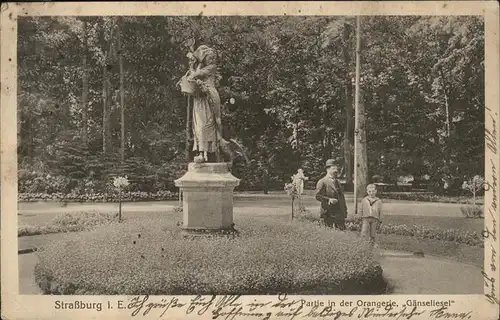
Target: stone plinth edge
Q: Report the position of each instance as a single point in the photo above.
(193, 233)
(208, 175)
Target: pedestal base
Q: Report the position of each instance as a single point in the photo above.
(193, 233)
(207, 204)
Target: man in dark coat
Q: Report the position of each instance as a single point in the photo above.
(329, 192)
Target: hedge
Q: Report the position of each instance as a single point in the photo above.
(98, 197)
(428, 197)
(151, 257)
(459, 236)
(69, 222)
(169, 195)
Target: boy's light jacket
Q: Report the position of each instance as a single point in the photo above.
(371, 208)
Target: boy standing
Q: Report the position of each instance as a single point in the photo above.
(371, 213)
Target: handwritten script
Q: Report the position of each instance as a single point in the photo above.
(283, 307)
(491, 209)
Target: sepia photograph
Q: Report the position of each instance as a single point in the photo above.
(219, 156)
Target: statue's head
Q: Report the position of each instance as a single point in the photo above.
(203, 52)
(191, 58)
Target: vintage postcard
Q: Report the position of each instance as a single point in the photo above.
(250, 160)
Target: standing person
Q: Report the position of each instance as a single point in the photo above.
(329, 192)
(370, 213)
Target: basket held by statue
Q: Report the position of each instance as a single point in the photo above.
(187, 85)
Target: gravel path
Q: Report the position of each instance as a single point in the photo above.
(40, 213)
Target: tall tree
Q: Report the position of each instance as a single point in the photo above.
(85, 84)
(122, 92)
(361, 161)
(108, 92)
(348, 107)
(106, 134)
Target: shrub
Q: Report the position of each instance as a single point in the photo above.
(84, 219)
(69, 222)
(75, 170)
(426, 196)
(472, 211)
(151, 257)
(39, 182)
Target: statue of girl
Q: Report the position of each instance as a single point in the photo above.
(207, 127)
(200, 82)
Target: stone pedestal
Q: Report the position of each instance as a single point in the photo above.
(207, 205)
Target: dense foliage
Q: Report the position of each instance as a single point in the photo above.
(422, 84)
(150, 256)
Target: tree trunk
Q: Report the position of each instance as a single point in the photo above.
(326, 147)
(122, 95)
(104, 93)
(104, 108)
(448, 117)
(348, 110)
(296, 134)
(106, 118)
(446, 106)
(327, 138)
(266, 180)
(120, 205)
(85, 86)
(361, 163)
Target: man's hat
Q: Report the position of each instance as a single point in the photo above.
(330, 163)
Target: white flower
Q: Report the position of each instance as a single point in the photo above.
(120, 182)
(478, 180)
(232, 101)
(474, 185)
(465, 186)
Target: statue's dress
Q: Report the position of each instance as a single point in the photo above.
(206, 107)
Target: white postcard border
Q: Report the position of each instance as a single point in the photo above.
(15, 306)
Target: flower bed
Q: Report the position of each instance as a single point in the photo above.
(427, 197)
(98, 197)
(470, 238)
(151, 257)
